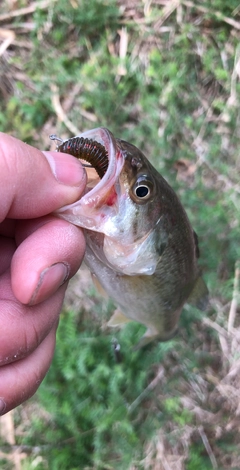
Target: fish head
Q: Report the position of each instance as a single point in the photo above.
(122, 212)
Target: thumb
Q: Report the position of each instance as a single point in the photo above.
(35, 183)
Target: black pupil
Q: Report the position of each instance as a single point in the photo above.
(142, 191)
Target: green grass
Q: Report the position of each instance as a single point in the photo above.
(174, 94)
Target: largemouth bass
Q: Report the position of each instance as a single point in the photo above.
(140, 244)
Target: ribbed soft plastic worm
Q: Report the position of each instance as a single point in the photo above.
(86, 149)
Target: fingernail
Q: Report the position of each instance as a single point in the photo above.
(66, 168)
(49, 281)
(2, 406)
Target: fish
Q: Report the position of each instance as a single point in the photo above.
(141, 248)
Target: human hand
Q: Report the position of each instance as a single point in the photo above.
(38, 253)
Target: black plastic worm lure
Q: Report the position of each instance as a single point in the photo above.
(85, 149)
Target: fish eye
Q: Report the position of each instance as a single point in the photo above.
(143, 188)
(142, 191)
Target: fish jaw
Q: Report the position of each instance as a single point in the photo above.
(99, 204)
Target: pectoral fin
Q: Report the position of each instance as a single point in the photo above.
(199, 295)
(118, 319)
(98, 286)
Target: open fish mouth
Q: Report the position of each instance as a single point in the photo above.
(99, 149)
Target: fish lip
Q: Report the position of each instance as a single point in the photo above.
(104, 137)
(86, 211)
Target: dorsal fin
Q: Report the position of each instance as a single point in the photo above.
(197, 251)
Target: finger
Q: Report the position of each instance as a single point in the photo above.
(22, 327)
(35, 183)
(20, 380)
(46, 258)
(7, 248)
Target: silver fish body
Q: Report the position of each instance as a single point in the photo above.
(140, 243)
